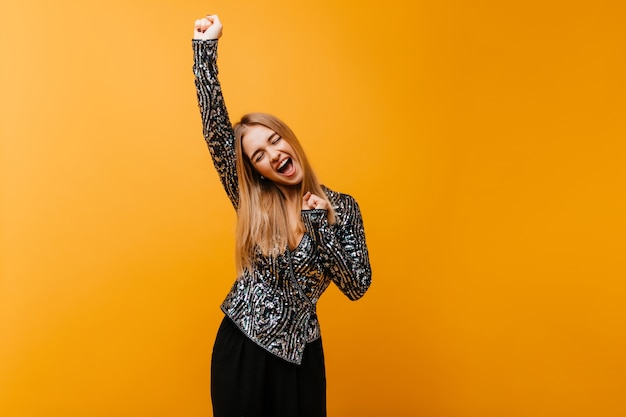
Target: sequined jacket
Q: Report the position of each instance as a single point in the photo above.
(274, 303)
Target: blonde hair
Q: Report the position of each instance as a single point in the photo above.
(262, 218)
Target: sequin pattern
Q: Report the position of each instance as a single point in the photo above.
(274, 303)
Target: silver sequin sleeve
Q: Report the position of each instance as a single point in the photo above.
(342, 246)
(216, 126)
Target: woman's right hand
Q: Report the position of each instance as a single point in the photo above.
(208, 27)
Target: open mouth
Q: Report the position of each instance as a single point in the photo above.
(286, 166)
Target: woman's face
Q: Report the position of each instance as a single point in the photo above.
(272, 156)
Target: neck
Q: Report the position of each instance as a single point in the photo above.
(292, 195)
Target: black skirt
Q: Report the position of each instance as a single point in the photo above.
(248, 381)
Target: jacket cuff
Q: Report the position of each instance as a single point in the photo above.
(204, 56)
(313, 219)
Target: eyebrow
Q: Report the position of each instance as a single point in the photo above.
(269, 139)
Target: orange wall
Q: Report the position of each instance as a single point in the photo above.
(484, 141)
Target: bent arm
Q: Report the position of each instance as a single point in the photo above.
(216, 126)
(342, 246)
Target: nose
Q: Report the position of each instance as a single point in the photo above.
(274, 155)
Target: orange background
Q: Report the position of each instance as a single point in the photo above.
(484, 141)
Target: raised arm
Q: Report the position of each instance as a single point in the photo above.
(216, 126)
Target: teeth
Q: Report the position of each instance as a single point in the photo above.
(282, 165)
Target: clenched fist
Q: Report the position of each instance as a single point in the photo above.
(208, 27)
(311, 202)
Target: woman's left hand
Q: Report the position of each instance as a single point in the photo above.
(311, 201)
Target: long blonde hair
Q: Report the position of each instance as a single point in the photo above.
(262, 218)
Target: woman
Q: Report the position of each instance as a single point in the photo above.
(294, 236)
